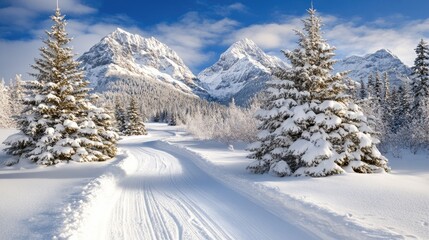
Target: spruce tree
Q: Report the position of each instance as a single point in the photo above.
(100, 136)
(120, 118)
(17, 96)
(270, 150)
(6, 120)
(420, 77)
(134, 124)
(362, 90)
(320, 130)
(57, 108)
(378, 88)
(386, 84)
(370, 86)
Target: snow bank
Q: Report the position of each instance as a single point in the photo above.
(350, 206)
(323, 223)
(86, 209)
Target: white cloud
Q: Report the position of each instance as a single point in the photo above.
(192, 34)
(23, 12)
(349, 38)
(70, 6)
(20, 54)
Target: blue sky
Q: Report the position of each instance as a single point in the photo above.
(200, 30)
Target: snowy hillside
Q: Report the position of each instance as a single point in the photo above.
(240, 72)
(381, 61)
(122, 54)
(167, 185)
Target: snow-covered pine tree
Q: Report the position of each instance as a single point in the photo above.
(270, 150)
(6, 120)
(56, 108)
(17, 95)
(370, 86)
(173, 120)
(386, 104)
(320, 129)
(362, 90)
(134, 124)
(98, 137)
(396, 110)
(378, 88)
(386, 84)
(420, 75)
(56, 99)
(420, 127)
(120, 116)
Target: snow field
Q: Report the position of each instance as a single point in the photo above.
(351, 205)
(86, 210)
(167, 185)
(33, 196)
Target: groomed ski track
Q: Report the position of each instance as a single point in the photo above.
(169, 197)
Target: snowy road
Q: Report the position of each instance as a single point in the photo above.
(169, 197)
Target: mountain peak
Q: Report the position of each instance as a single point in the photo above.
(382, 53)
(240, 72)
(245, 43)
(243, 48)
(122, 52)
(382, 60)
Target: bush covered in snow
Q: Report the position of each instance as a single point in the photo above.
(224, 124)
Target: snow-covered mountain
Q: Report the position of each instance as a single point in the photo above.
(240, 72)
(381, 61)
(122, 54)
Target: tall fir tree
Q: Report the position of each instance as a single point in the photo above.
(120, 116)
(386, 84)
(100, 135)
(378, 88)
(362, 90)
(420, 76)
(17, 96)
(370, 86)
(319, 131)
(6, 110)
(134, 124)
(57, 107)
(386, 104)
(270, 150)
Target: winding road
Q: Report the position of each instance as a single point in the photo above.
(169, 197)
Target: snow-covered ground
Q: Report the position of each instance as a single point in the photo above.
(168, 185)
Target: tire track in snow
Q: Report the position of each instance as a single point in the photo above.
(169, 197)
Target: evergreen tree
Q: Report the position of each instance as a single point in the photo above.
(370, 86)
(120, 118)
(362, 90)
(57, 108)
(386, 84)
(100, 136)
(396, 109)
(134, 125)
(310, 126)
(420, 76)
(6, 120)
(420, 127)
(386, 104)
(270, 150)
(17, 96)
(173, 120)
(378, 89)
